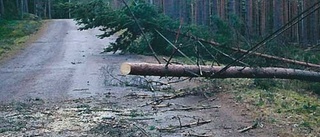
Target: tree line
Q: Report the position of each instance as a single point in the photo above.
(254, 18)
(47, 9)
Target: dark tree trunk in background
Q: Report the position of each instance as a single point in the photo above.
(45, 9)
(26, 6)
(49, 9)
(1, 8)
(249, 16)
(262, 17)
(21, 6)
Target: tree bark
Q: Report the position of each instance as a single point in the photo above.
(291, 61)
(49, 9)
(146, 69)
(286, 60)
(21, 9)
(26, 6)
(1, 8)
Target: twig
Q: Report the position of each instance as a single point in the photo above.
(212, 56)
(196, 135)
(198, 59)
(140, 28)
(171, 62)
(253, 126)
(175, 43)
(82, 89)
(112, 76)
(135, 95)
(180, 124)
(287, 60)
(191, 108)
(142, 130)
(155, 102)
(162, 106)
(110, 110)
(145, 96)
(171, 128)
(162, 98)
(175, 47)
(222, 53)
(177, 81)
(171, 56)
(137, 119)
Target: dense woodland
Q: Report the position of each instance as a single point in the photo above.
(257, 17)
(45, 9)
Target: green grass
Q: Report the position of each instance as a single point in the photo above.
(15, 32)
(294, 104)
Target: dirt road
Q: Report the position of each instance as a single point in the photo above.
(61, 85)
(59, 62)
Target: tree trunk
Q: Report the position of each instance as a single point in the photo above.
(49, 9)
(35, 6)
(26, 6)
(1, 8)
(21, 8)
(45, 10)
(70, 10)
(210, 72)
(286, 60)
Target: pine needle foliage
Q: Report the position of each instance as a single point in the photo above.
(99, 14)
(120, 22)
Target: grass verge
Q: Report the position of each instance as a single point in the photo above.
(14, 33)
(291, 105)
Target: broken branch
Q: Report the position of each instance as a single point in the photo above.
(291, 61)
(191, 108)
(171, 128)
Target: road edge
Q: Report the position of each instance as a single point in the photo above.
(31, 39)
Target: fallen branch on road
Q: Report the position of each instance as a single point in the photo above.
(196, 135)
(172, 128)
(253, 126)
(191, 108)
(160, 99)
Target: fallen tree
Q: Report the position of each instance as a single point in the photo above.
(174, 70)
(291, 61)
(266, 56)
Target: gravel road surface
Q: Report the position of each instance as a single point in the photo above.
(61, 61)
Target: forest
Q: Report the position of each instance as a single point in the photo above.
(45, 9)
(271, 48)
(256, 18)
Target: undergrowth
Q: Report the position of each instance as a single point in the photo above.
(283, 103)
(15, 32)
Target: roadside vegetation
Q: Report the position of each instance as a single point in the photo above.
(294, 105)
(291, 105)
(13, 33)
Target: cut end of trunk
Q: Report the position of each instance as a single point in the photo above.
(125, 69)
